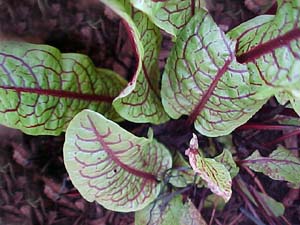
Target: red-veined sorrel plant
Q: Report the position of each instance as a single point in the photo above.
(218, 80)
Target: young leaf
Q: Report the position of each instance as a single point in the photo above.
(226, 159)
(41, 90)
(109, 165)
(169, 15)
(140, 101)
(281, 164)
(174, 212)
(214, 173)
(202, 79)
(212, 201)
(270, 46)
(182, 174)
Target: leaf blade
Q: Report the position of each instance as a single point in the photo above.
(42, 89)
(140, 101)
(214, 173)
(203, 80)
(280, 165)
(270, 46)
(174, 212)
(109, 165)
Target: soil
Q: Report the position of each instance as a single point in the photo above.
(34, 185)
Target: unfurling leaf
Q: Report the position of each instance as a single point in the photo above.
(270, 46)
(169, 15)
(174, 212)
(41, 90)
(281, 164)
(140, 101)
(202, 79)
(212, 172)
(109, 165)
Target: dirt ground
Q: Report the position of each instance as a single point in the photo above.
(34, 185)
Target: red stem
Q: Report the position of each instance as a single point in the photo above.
(265, 127)
(282, 138)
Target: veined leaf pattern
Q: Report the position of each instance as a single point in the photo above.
(41, 90)
(181, 174)
(270, 47)
(169, 15)
(109, 165)
(203, 80)
(227, 160)
(281, 164)
(214, 173)
(140, 100)
(175, 212)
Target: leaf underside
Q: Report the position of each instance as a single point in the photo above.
(109, 165)
(281, 164)
(41, 90)
(202, 79)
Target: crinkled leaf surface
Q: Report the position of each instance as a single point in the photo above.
(140, 100)
(41, 90)
(212, 172)
(174, 212)
(226, 159)
(270, 47)
(169, 15)
(203, 79)
(109, 165)
(281, 164)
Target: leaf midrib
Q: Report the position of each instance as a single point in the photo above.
(112, 155)
(269, 46)
(60, 94)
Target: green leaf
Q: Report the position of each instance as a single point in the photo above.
(181, 174)
(140, 101)
(271, 206)
(281, 164)
(212, 201)
(41, 90)
(214, 173)
(226, 159)
(203, 79)
(270, 47)
(174, 212)
(292, 96)
(109, 165)
(277, 208)
(169, 15)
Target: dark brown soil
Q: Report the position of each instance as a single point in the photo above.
(34, 185)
